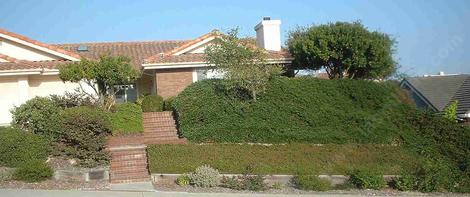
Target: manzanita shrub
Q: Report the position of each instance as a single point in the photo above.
(204, 176)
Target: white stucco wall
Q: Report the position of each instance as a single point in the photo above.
(18, 89)
(23, 52)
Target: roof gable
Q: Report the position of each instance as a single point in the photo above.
(23, 48)
(439, 91)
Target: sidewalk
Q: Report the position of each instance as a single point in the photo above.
(77, 193)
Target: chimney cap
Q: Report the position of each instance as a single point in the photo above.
(266, 18)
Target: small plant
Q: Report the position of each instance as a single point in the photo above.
(204, 176)
(253, 183)
(232, 183)
(363, 179)
(33, 171)
(152, 103)
(278, 186)
(311, 182)
(183, 180)
(404, 183)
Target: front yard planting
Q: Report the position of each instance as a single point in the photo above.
(279, 159)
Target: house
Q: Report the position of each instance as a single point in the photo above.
(436, 92)
(28, 68)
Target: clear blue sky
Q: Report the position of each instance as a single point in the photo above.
(432, 35)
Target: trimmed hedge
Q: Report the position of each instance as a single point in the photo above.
(278, 159)
(127, 119)
(17, 147)
(152, 103)
(291, 110)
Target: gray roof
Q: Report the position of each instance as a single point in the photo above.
(463, 97)
(440, 91)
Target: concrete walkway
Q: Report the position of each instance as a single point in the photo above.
(77, 193)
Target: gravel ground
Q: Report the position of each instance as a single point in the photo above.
(56, 185)
(172, 187)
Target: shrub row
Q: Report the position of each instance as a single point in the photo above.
(278, 159)
(291, 110)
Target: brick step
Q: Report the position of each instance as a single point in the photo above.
(134, 180)
(157, 125)
(129, 170)
(161, 134)
(173, 137)
(129, 176)
(124, 152)
(158, 119)
(134, 157)
(123, 164)
(178, 141)
(157, 114)
(115, 164)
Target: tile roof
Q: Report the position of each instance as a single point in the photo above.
(440, 91)
(137, 51)
(28, 65)
(35, 42)
(199, 57)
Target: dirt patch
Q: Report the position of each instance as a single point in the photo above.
(56, 185)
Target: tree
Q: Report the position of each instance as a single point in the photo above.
(450, 112)
(241, 62)
(103, 76)
(343, 50)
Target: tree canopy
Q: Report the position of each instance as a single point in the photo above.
(102, 75)
(241, 62)
(344, 50)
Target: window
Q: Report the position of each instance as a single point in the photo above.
(208, 73)
(126, 93)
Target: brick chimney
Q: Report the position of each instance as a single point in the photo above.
(268, 34)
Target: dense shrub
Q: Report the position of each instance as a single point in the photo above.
(204, 176)
(291, 110)
(126, 118)
(33, 171)
(311, 182)
(73, 99)
(443, 148)
(17, 147)
(168, 104)
(152, 103)
(278, 159)
(39, 115)
(85, 130)
(365, 179)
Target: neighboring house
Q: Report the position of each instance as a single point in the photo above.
(28, 68)
(436, 92)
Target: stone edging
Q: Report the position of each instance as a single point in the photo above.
(270, 179)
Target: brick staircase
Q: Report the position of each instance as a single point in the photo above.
(128, 153)
(129, 164)
(160, 128)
